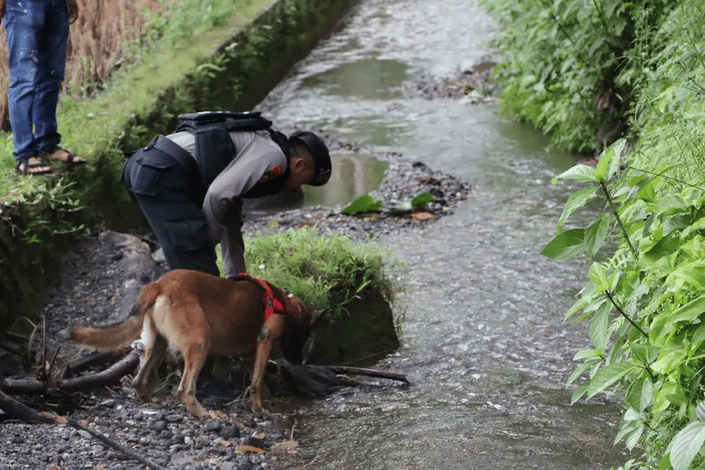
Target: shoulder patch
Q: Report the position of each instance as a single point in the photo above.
(275, 172)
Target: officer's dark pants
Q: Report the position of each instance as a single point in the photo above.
(167, 190)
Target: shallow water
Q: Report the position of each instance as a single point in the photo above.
(483, 338)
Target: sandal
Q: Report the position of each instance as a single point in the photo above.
(39, 168)
(70, 158)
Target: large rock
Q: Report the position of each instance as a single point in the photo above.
(363, 336)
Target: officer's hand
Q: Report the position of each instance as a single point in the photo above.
(73, 10)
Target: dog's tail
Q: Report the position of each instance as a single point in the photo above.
(120, 335)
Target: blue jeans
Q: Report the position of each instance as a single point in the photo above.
(37, 32)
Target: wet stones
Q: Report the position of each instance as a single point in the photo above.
(404, 181)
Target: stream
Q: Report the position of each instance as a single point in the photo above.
(484, 343)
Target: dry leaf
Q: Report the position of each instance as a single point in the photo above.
(246, 448)
(422, 215)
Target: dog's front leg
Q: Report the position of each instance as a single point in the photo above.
(265, 341)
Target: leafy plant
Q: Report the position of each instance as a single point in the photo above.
(367, 203)
(645, 305)
(364, 203)
(52, 211)
(570, 67)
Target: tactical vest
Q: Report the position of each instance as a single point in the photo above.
(215, 149)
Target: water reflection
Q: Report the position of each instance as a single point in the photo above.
(352, 176)
(367, 79)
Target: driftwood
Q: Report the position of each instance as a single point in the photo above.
(368, 372)
(115, 445)
(109, 376)
(15, 409)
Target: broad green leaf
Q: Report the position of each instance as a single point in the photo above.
(671, 204)
(659, 251)
(422, 199)
(617, 148)
(663, 323)
(580, 370)
(579, 392)
(608, 376)
(667, 362)
(364, 203)
(603, 164)
(665, 463)
(686, 445)
(596, 233)
(598, 276)
(640, 394)
(582, 173)
(608, 163)
(587, 353)
(692, 274)
(599, 327)
(566, 245)
(577, 200)
(661, 401)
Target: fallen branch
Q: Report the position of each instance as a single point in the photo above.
(18, 410)
(95, 359)
(109, 376)
(115, 445)
(367, 372)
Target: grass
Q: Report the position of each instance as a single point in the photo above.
(176, 42)
(324, 270)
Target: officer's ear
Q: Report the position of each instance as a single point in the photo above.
(301, 161)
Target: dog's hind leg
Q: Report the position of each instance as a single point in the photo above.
(195, 354)
(154, 353)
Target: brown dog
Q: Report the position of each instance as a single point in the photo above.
(200, 314)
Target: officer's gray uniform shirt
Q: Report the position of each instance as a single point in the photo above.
(257, 155)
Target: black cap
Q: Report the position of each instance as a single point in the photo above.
(321, 158)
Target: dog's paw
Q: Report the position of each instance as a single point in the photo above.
(217, 414)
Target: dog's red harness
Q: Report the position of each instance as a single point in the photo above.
(272, 305)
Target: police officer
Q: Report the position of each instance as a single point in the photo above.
(190, 186)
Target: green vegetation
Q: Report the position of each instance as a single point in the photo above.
(576, 70)
(573, 69)
(367, 203)
(324, 270)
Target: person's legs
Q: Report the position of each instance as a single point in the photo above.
(159, 185)
(23, 23)
(52, 63)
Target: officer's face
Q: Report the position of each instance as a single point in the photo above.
(302, 171)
